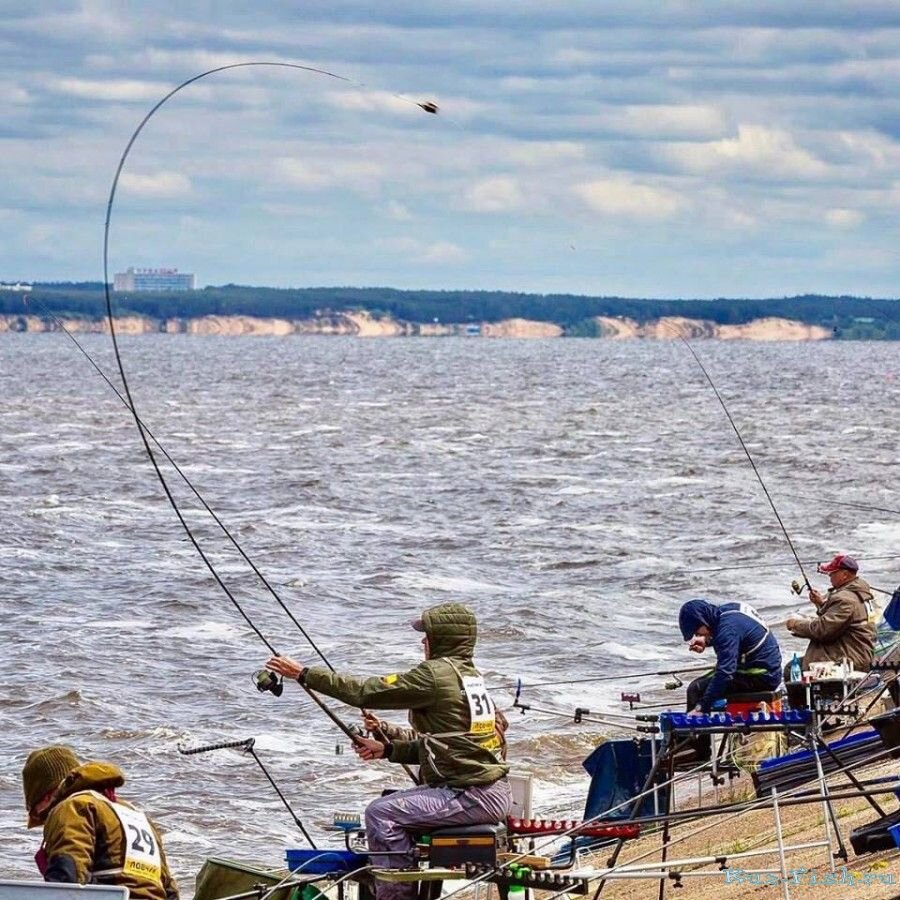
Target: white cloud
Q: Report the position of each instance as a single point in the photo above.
(359, 175)
(622, 197)
(756, 150)
(13, 94)
(398, 211)
(499, 193)
(443, 252)
(844, 218)
(121, 90)
(667, 121)
(159, 184)
(417, 251)
(543, 153)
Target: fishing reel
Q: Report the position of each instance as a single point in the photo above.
(798, 588)
(353, 732)
(268, 682)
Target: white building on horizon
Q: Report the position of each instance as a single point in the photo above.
(133, 279)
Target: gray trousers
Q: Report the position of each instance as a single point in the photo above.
(391, 822)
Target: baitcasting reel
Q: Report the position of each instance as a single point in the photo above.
(267, 681)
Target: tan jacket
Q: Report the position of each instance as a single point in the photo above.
(83, 836)
(844, 626)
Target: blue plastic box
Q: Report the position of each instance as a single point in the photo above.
(324, 862)
(894, 831)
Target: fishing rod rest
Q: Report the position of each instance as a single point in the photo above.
(245, 745)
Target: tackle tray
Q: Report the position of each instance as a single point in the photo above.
(684, 721)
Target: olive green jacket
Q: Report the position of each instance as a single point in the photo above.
(844, 626)
(433, 693)
(83, 836)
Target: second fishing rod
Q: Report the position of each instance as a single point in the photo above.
(750, 459)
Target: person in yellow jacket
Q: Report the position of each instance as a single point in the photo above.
(91, 836)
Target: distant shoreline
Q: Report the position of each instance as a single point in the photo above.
(363, 324)
(392, 312)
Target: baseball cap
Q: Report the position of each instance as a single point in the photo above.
(841, 561)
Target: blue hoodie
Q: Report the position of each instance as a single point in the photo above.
(741, 642)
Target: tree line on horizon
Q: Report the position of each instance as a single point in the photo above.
(847, 317)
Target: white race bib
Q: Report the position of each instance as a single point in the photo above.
(143, 859)
(751, 613)
(481, 707)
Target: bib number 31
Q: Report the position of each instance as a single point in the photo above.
(481, 708)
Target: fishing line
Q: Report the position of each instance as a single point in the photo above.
(749, 458)
(193, 489)
(757, 565)
(427, 107)
(514, 684)
(893, 512)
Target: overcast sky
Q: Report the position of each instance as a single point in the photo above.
(679, 149)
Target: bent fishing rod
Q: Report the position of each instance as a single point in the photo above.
(262, 682)
(187, 481)
(749, 456)
(246, 746)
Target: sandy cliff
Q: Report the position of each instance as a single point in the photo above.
(362, 324)
(769, 329)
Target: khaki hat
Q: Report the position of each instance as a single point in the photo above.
(43, 771)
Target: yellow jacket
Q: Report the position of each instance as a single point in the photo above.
(85, 842)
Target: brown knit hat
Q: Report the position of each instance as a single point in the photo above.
(43, 771)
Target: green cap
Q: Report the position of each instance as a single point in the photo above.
(43, 771)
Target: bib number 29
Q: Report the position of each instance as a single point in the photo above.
(142, 840)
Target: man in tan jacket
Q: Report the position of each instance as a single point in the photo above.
(844, 624)
(90, 836)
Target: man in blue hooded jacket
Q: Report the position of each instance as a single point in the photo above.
(747, 655)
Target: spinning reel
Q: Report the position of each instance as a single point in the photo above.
(267, 681)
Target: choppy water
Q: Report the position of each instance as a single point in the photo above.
(569, 490)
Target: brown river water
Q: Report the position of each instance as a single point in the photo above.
(572, 491)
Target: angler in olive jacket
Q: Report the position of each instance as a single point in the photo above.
(90, 836)
(844, 624)
(454, 740)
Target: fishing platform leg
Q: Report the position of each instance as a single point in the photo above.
(670, 774)
(430, 890)
(665, 756)
(812, 735)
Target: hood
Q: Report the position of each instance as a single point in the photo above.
(695, 613)
(92, 776)
(859, 586)
(451, 630)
